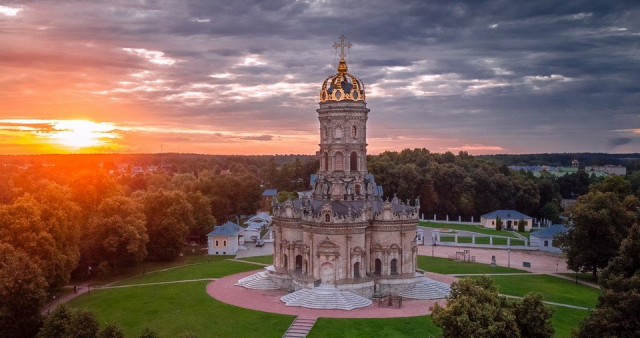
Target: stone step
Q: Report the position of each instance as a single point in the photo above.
(258, 281)
(325, 297)
(428, 289)
(300, 327)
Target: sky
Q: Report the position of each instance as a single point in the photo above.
(243, 77)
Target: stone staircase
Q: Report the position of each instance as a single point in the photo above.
(325, 297)
(427, 289)
(258, 281)
(300, 327)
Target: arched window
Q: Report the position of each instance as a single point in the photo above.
(353, 161)
(378, 267)
(394, 266)
(354, 131)
(338, 161)
(327, 218)
(325, 161)
(356, 270)
(299, 264)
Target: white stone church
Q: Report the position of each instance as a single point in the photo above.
(345, 240)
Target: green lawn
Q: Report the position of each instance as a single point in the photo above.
(552, 288)
(174, 309)
(446, 266)
(268, 259)
(583, 276)
(202, 268)
(375, 327)
(565, 319)
(472, 228)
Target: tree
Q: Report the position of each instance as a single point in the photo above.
(110, 331)
(117, 233)
(599, 222)
(56, 322)
(498, 223)
(203, 221)
(22, 293)
(521, 225)
(533, 316)
(83, 324)
(474, 309)
(616, 314)
(169, 217)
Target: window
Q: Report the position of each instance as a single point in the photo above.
(493, 222)
(325, 161)
(378, 267)
(356, 270)
(338, 161)
(327, 218)
(354, 132)
(546, 243)
(394, 266)
(338, 132)
(216, 243)
(225, 243)
(353, 161)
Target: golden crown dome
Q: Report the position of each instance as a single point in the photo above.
(342, 86)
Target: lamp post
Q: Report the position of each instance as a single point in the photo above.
(89, 283)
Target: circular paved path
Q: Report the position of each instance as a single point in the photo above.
(225, 291)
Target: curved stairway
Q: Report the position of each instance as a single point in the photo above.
(325, 297)
(427, 289)
(258, 281)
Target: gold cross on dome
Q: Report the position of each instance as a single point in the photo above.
(342, 44)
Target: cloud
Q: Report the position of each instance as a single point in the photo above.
(537, 77)
(9, 11)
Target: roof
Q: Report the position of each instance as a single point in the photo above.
(550, 231)
(227, 229)
(505, 214)
(270, 192)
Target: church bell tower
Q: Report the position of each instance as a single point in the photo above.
(343, 136)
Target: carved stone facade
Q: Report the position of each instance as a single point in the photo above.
(345, 234)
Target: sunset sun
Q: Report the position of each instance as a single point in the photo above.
(81, 133)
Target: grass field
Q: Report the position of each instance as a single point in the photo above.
(216, 266)
(268, 259)
(552, 288)
(375, 327)
(446, 266)
(471, 228)
(565, 319)
(175, 309)
(583, 276)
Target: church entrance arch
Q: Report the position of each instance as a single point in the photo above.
(394, 266)
(353, 161)
(327, 273)
(378, 267)
(356, 270)
(299, 263)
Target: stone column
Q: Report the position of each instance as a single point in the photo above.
(508, 241)
(455, 238)
(349, 256)
(473, 239)
(490, 240)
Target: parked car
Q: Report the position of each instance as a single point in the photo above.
(260, 243)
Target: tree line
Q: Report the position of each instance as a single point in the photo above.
(57, 223)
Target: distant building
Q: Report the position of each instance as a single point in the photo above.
(225, 239)
(268, 196)
(607, 169)
(538, 169)
(543, 238)
(509, 218)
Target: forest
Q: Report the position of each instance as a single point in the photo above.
(63, 217)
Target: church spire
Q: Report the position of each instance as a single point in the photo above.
(342, 65)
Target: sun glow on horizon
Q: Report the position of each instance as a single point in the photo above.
(82, 133)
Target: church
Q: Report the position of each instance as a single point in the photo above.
(345, 234)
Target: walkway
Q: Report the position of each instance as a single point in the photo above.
(249, 262)
(81, 289)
